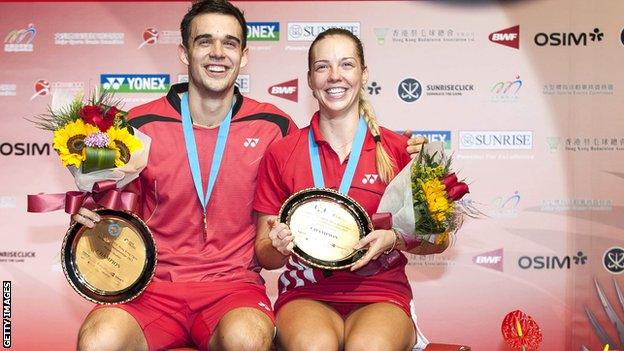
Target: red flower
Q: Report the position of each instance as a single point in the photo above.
(520, 330)
(112, 112)
(457, 191)
(449, 180)
(94, 115)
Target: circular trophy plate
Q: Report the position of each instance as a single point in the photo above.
(112, 262)
(325, 225)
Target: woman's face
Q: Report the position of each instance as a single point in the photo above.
(336, 75)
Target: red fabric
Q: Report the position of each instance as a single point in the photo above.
(170, 206)
(531, 334)
(286, 170)
(186, 314)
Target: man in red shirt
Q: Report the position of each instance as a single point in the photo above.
(207, 290)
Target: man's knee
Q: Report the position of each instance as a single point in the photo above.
(243, 329)
(99, 337)
(105, 330)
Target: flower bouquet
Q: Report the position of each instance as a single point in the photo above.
(114, 260)
(93, 139)
(425, 197)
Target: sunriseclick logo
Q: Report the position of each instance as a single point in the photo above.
(509, 37)
(263, 31)
(613, 260)
(286, 90)
(135, 83)
(20, 40)
(409, 90)
(307, 31)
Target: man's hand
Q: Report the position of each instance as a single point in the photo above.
(86, 217)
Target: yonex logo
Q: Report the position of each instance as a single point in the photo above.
(135, 83)
(370, 178)
(251, 142)
(113, 83)
(264, 305)
(263, 31)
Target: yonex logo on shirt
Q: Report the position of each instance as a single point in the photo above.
(263, 305)
(251, 142)
(369, 178)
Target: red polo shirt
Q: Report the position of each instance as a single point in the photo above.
(286, 169)
(170, 206)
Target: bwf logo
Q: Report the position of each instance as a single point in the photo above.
(251, 142)
(508, 37)
(286, 90)
(370, 178)
(491, 259)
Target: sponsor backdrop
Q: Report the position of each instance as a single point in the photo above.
(527, 96)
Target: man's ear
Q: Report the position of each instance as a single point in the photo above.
(183, 54)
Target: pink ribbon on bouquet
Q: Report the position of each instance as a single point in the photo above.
(104, 194)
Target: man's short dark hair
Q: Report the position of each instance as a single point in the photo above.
(212, 6)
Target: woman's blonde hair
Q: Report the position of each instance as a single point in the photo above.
(384, 163)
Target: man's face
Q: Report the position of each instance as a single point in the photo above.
(215, 54)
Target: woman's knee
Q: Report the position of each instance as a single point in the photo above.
(310, 340)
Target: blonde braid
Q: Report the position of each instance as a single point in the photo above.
(385, 164)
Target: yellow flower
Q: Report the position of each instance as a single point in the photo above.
(69, 142)
(124, 144)
(442, 238)
(437, 202)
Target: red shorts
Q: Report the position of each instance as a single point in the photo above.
(345, 304)
(186, 314)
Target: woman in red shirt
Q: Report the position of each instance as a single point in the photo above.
(366, 307)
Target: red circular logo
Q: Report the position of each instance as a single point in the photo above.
(42, 87)
(150, 35)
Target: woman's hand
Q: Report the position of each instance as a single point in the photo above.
(86, 217)
(378, 241)
(281, 237)
(414, 143)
